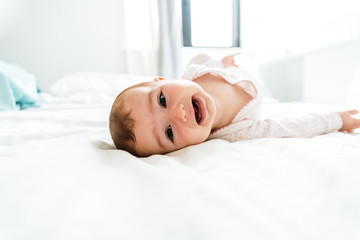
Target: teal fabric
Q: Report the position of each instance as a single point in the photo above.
(18, 88)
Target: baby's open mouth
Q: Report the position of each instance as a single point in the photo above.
(197, 110)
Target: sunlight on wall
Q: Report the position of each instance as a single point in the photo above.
(11, 12)
(273, 29)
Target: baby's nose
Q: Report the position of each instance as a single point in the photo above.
(180, 113)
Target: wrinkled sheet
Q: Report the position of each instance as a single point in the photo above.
(61, 178)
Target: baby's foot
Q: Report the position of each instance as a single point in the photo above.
(199, 59)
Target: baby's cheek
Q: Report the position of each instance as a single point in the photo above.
(201, 136)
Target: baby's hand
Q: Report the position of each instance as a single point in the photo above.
(349, 123)
(229, 61)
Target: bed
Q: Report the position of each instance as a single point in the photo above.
(62, 178)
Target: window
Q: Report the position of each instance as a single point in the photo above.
(211, 23)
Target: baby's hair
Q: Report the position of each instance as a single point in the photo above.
(121, 125)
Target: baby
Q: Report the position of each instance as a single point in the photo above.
(212, 101)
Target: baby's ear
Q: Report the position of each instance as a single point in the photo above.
(159, 79)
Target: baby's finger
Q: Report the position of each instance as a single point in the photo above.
(353, 112)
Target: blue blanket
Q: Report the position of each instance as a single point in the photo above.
(18, 88)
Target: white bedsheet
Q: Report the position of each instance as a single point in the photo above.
(61, 178)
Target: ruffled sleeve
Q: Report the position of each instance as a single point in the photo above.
(308, 126)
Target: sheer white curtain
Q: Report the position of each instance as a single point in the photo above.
(151, 39)
(140, 37)
(170, 38)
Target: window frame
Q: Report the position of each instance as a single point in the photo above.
(186, 24)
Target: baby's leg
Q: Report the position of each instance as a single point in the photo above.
(199, 59)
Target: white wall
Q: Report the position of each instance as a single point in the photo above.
(279, 28)
(51, 38)
(307, 50)
(319, 76)
(329, 72)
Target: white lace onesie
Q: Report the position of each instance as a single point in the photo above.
(247, 124)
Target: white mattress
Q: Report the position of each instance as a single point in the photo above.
(61, 178)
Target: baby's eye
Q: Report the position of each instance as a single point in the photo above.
(169, 133)
(162, 100)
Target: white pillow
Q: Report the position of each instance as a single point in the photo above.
(354, 91)
(110, 84)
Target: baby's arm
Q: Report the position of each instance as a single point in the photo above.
(308, 126)
(225, 62)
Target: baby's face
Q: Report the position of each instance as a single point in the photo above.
(169, 115)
